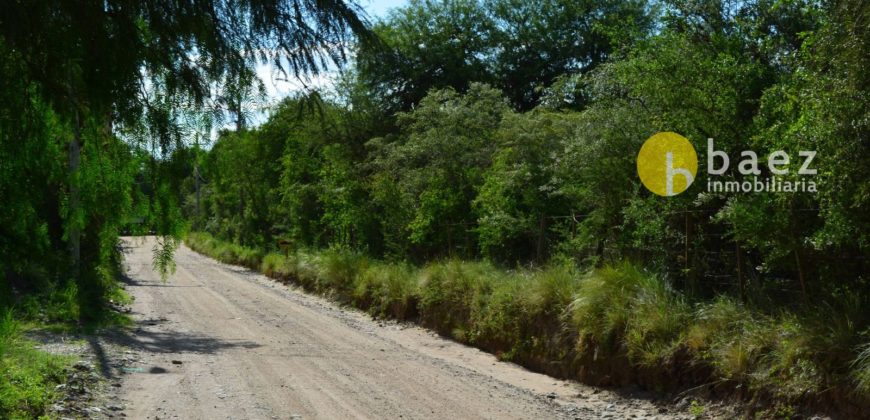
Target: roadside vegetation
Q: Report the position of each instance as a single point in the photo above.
(450, 179)
(93, 97)
(614, 325)
(30, 375)
(27, 386)
(472, 167)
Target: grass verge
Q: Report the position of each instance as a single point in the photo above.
(29, 376)
(616, 325)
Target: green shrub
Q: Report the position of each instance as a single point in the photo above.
(601, 310)
(387, 290)
(451, 291)
(338, 270)
(276, 266)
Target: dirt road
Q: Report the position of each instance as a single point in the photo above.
(217, 341)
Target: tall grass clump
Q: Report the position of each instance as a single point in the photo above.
(787, 355)
(298, 267)
(277, 266)
(202, 242)
(500, 324)
(522, 318)
(388, 290)
(248, 257)
(337, 272)
(658, 320)
(772, 354)
(861, 370)
(629, 327)
(225, 252)
(8, 330)
(56, 304)
(451, 291)
(601, 311)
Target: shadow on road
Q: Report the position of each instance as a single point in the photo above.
(139, 340)
(129, 281)
(176, 342)
(150, 335)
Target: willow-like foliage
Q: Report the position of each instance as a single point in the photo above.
(95, 93)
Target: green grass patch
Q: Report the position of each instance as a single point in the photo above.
(27, 376)
(225, 252)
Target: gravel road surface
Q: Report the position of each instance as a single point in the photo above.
(216, 341)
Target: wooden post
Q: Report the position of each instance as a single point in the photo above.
(740, 280)
(450, 239)
(540, 245)
(800, 270)
(687, 271)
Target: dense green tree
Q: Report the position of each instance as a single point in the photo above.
(535, 42)
(435, 168)
(83, 74)
(821, 106)
(473, 170)
(521, 47)
(428, 44)
(520, 200)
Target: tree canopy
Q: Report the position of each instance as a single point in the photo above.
(522, 157)
(95, 92)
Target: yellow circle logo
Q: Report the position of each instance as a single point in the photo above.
(667, 163)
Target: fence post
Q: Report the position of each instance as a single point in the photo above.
(540, 246)
(800, 270)
(449, 240)
(687, 271)
(740, 280)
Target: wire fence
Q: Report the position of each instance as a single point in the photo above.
(701, 256)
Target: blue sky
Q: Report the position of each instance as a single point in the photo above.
(379, 8)
(278, 88)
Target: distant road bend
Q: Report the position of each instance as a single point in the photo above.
(218, 341)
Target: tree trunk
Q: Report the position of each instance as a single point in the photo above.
(240, 116)
(741, 281)
(75, 150)
(800, 271)
(196, 177)
(539, 251)
(196, 182)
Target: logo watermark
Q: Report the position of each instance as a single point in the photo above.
(667, 165)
